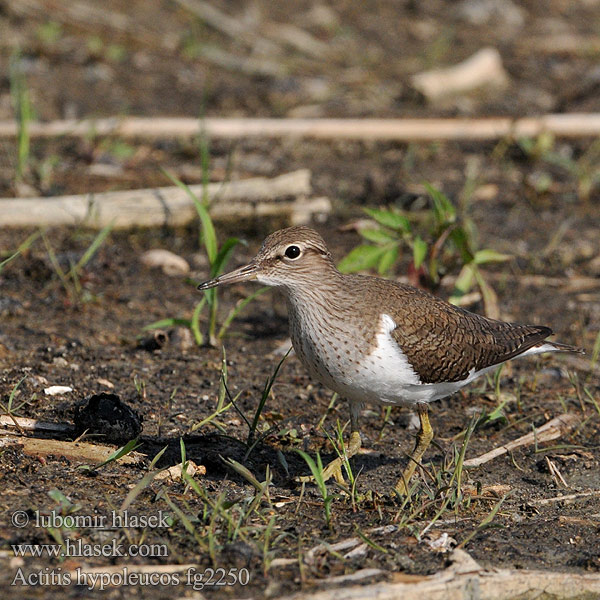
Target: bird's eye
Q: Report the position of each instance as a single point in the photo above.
(292, 252)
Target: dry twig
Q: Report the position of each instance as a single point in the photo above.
(34, 424)
(567, 498)
(245, 199)
(82, 451)
(463, 579)
(549, 431)
(408, 130)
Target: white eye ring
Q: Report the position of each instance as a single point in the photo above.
(293, 252)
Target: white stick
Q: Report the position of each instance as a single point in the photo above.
(466, 579)
(34, 424)
(567, 498)
(81, 451)
(565, 125)
(249, 198)
(549, 431)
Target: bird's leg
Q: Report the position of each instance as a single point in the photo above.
(424, 438)
(334, 468)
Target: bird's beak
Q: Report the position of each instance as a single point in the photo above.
(245, 273)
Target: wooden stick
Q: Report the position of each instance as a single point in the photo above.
(573, 284)
(549, 431)
(89, 15)
(245, 199)
(459, 581)
(409, 130)
(567, 498)
(81, 451)
(34, 424)
(236, 29)
(214, 17)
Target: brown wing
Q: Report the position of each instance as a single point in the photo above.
(443, 342)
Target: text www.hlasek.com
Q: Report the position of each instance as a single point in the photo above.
(78, 548)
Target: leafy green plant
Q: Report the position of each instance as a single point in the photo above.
(316, 468)
(218, 257)
(440, 241)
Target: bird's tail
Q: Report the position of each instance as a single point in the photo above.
(558, 347)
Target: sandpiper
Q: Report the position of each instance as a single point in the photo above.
(375, 340)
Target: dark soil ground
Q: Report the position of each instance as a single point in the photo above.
(526, 203)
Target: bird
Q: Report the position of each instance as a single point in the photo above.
(375, 340)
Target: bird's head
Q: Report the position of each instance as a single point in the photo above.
(288, 257)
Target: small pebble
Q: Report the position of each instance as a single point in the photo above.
(181, 338)
(56, 390)
(105, 383)
(175, 471)
(170, 263)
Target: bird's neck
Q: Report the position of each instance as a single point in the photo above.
(324, 289)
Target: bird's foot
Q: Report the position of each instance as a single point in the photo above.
(334, 468)
(424, 438)
(401, 489)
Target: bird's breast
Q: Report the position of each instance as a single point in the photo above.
(345, 360)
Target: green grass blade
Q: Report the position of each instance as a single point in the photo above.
(157, 458)
(22, 248)
(237, 309)
(185, 521)
(56, 266)
(263, 399)
(195, 322)
(92, 249)
(485, 522)
(139, 488)
(208, 419)
(244, 472)
(316, 470)
(224, 255)
(167, 323)
(130, 446)
(209, 236)
(24, 113)
(13, 393)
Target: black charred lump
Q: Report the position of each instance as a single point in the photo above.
(107, 415)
